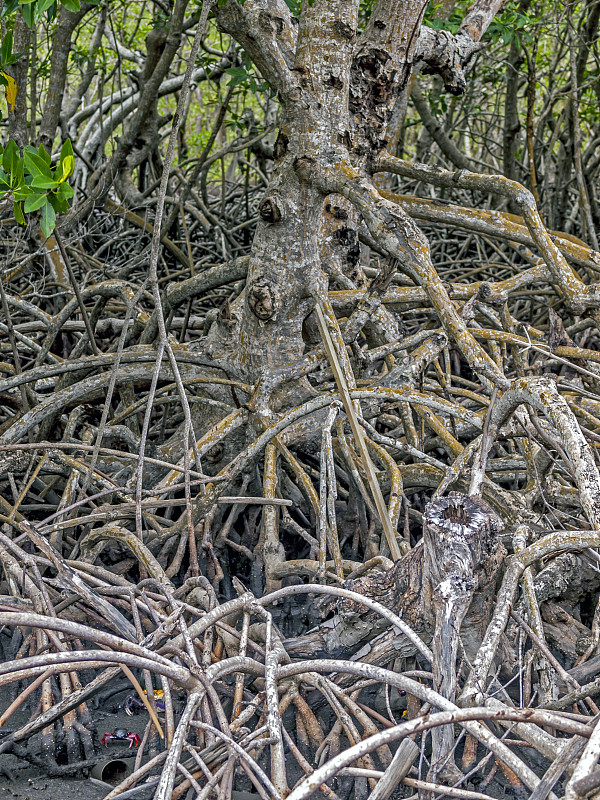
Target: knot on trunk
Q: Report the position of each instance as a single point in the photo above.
(215, 454)
(337, 212)
(306, 168)
(263, 299)
(345, 236)
(343, 29)
(269, 210)
(445, 582)
(280, 147)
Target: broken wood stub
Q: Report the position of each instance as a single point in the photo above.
(462, 554)
(408, 587)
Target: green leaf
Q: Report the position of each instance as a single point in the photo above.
(66, 167)
(13, 58)
(19, 172)
(30, 149)
(36, 165)
(18, 211)
(59, 204)
(10, 157)
(60, 198)
(238, 75)
(71, 5)
(64, 191)
(48, 219)
(8, 8)
(51, 11)
(42, 182)
(66, 149)
(22, 192)
(6, 48)
(33, 202)
(44, 155)
(29, 15)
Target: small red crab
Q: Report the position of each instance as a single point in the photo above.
(121, 735)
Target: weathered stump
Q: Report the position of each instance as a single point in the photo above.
(408, 589)
(461, 551)
(444, 589)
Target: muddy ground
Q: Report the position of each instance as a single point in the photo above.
(28, 782)
(22, 781)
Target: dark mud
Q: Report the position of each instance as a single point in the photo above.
(19, 779)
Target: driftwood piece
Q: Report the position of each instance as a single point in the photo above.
(443, 589)
(564, 632)
(397, 770)
(567, 576)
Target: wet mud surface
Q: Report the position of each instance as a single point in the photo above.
(24, 781)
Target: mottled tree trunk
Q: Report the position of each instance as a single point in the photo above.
(337, 90)
(17, 118)
(336, 94)
(66, 23)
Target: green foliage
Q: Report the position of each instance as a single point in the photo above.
(34, 185)
(433, 19)
(512, 23)
(34, 10)
(7, 57)
(29, 177)
(131, 21)
(238, 75)
(246, 77)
